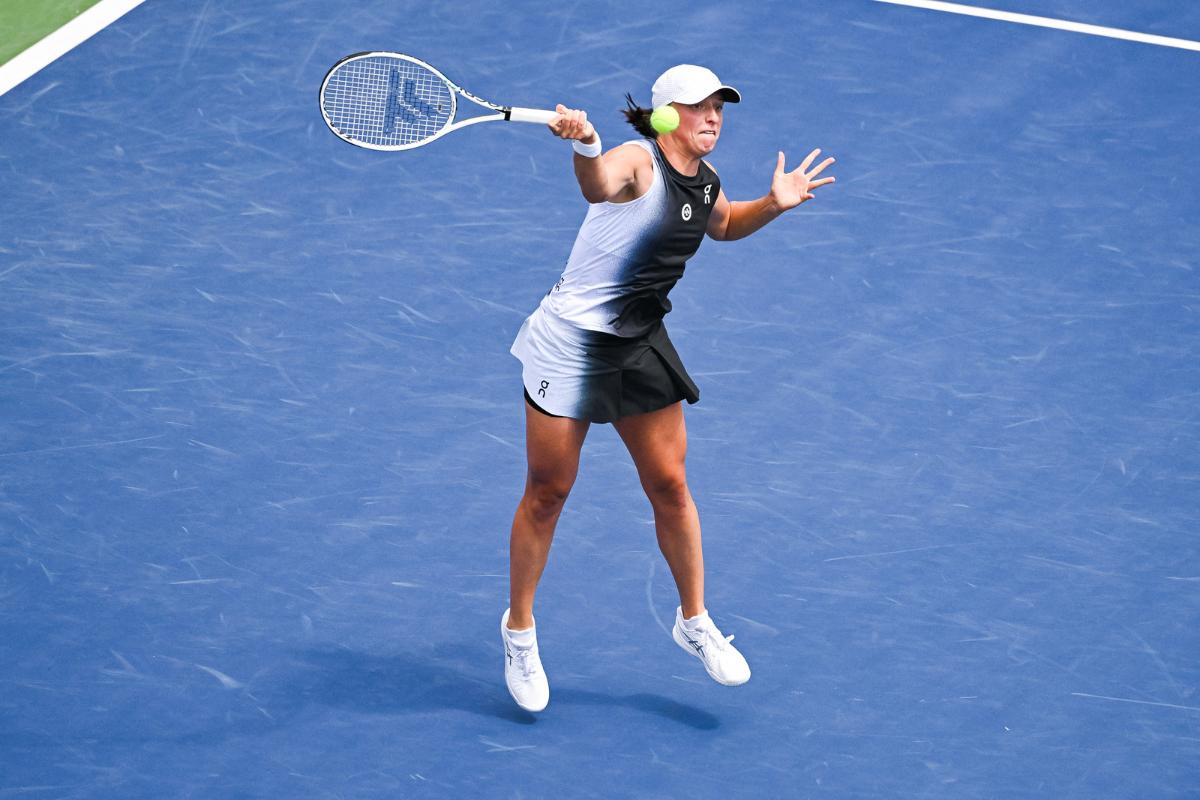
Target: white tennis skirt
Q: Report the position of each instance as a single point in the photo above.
(582, 374)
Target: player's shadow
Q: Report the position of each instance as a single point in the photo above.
(448, 677)
(401, 683)
(649, 703)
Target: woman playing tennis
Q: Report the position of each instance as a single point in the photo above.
(596, 350)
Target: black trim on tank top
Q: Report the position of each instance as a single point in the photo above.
(704, 173)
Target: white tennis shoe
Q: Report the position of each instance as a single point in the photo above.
(721, 660)
(523, 671)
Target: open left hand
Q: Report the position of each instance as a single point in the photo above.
(790, 189)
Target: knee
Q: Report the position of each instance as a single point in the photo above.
(668, 491)
(545, 496)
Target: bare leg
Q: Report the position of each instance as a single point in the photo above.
(552, 446)
(658, 444)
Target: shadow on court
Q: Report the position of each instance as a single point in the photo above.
(398, 684)
(656, 704)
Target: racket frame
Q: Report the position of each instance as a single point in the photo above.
(503, 113)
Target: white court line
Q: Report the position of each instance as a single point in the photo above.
(1047, 22)
(1138, 702)
(29, 62)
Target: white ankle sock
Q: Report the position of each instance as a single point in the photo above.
(694, 623)
(525, 638)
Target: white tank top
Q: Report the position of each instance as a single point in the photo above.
(628, 256)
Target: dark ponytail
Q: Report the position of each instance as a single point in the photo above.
(639, 118)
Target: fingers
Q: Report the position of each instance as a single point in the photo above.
(804, 165)
(780, 162)
(820, 167)
(804, 177)
(570, 123)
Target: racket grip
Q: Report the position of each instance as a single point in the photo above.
(530, 115)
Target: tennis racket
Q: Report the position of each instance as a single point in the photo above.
(390, 101)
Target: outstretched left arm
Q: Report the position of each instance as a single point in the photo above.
(739, 219)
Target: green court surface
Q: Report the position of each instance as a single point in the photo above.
(24, 22)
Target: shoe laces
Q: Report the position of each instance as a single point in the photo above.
(525, 660)
(712, 634)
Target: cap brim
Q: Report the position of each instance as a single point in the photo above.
(728, 94)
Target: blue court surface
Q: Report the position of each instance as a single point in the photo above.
(261, 437)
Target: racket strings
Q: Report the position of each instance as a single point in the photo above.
(386, 101)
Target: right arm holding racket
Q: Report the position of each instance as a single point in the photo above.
(605, 177)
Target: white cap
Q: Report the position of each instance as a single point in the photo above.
(688, 83)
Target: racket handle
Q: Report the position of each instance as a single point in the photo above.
(530, 115)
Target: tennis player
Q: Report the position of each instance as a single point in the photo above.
(596, 350)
